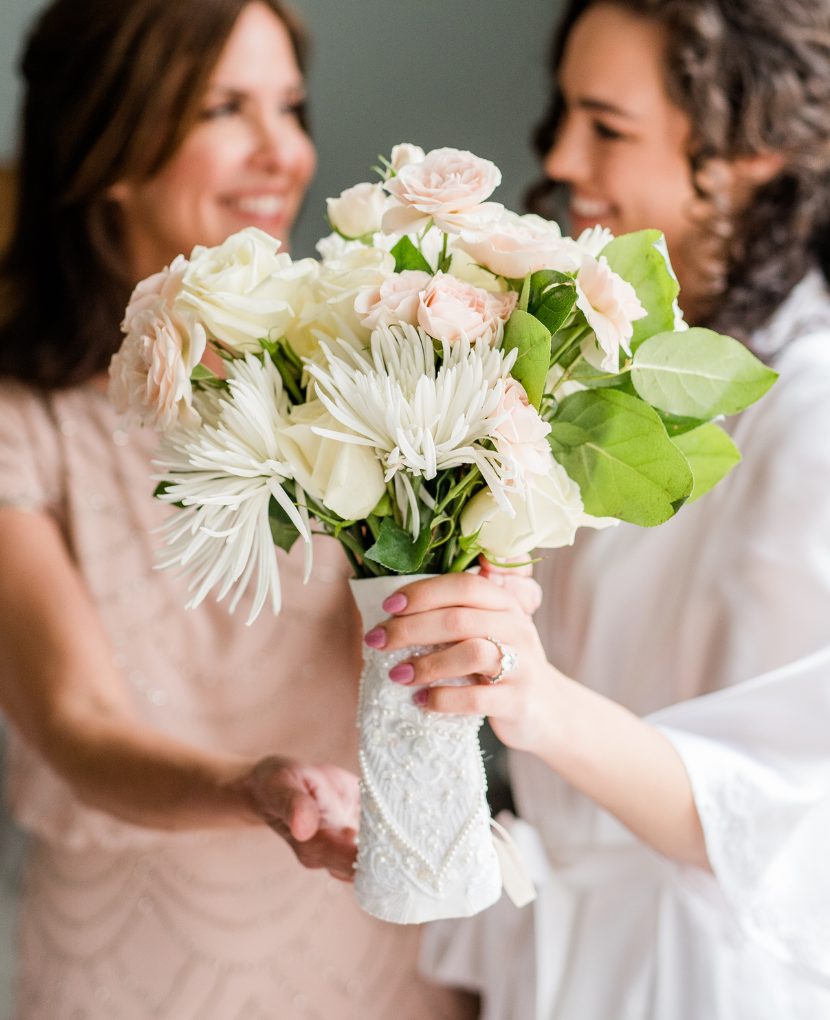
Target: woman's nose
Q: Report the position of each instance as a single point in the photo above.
(567, 160)
(276, 142)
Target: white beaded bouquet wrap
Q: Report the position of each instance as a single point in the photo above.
(451, 380)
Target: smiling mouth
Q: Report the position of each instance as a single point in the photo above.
(261, 206)
(589, 208)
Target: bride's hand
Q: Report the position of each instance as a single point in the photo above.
(315, 808)
(463, 611)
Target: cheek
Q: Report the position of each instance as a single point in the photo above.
(651, 189)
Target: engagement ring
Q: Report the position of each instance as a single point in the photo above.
(509, 661)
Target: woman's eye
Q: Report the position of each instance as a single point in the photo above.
(295, 109)
(221, 110)
(605, 132)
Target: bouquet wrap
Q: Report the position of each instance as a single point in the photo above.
(425, 850)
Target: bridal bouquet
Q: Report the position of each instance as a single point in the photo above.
(450, 380)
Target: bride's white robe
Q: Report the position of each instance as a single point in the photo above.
(736, 586)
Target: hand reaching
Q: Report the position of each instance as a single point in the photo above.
(315, 808)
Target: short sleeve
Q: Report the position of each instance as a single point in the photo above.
(29, 450)
(758, 756)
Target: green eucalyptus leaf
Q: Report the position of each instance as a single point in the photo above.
(541, 281)
(675, 424)
(384, 507)
(698, 373)
(711, 455)
(283, 531)
(407, 256)
(524, 294)
(396, 550)
(201, 371)
(615, 448)
(555, 305)
(635, 258)
(525, 332)
(583, 372)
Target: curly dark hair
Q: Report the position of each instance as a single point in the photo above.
(112, 89)
(753, 76)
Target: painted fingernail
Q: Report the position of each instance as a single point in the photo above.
(402, 673)
(421, 697)
(376, 638)
(395, 603)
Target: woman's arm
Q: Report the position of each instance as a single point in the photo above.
(601, 748)
(67, 699)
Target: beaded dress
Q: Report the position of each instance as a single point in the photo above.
(124, 923)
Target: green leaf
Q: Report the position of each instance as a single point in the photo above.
(584, 372)
(396, 550)
(541, 281)
(283, 531)
(711, 455)
(698, 373)
(635, 259)
(201, 371)
(675, 424)
(525, 332)
(407, 256)
(615, 448)
(384, 507)
(555, 306)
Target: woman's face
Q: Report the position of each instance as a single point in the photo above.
(247, 162)
(621, 143)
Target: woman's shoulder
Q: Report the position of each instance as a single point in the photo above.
(28, 446)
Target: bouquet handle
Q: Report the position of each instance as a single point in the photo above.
(425, 849)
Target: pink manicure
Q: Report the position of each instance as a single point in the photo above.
(421, 697)
(402, 673)
(395, 603)
(376, 638)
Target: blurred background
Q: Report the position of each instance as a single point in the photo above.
(381, 73)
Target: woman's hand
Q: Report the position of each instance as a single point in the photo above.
(315, 808)
(462, 611)
(617, 760)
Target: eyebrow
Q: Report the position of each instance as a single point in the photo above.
(602, 106)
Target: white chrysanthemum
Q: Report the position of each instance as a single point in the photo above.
(420, 419)
(225, 475)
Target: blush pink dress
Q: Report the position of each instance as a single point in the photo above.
(123, 923)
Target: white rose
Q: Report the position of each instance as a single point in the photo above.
(150, 374)
(450, 187)
(611, 306)
(345, 477)
(333, 246)
(404, 154)
(453, 310)
(557, 512)
(518, 245)
(396, 300)
(331, 307)
(244, 290)
(358, 211)
(165, 285)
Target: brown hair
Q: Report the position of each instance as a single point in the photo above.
(752, 76)
(113, 88)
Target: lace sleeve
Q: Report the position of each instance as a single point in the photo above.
(758, 756)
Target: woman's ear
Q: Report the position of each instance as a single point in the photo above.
(758, 169)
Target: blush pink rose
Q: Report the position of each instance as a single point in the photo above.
(521, 435)
(453, 310)
(397, 299)
(450, 187)
(150, 374)
(165, 285)
(611, 306)
(519, 245)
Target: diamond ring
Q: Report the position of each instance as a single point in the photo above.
(509, 661)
